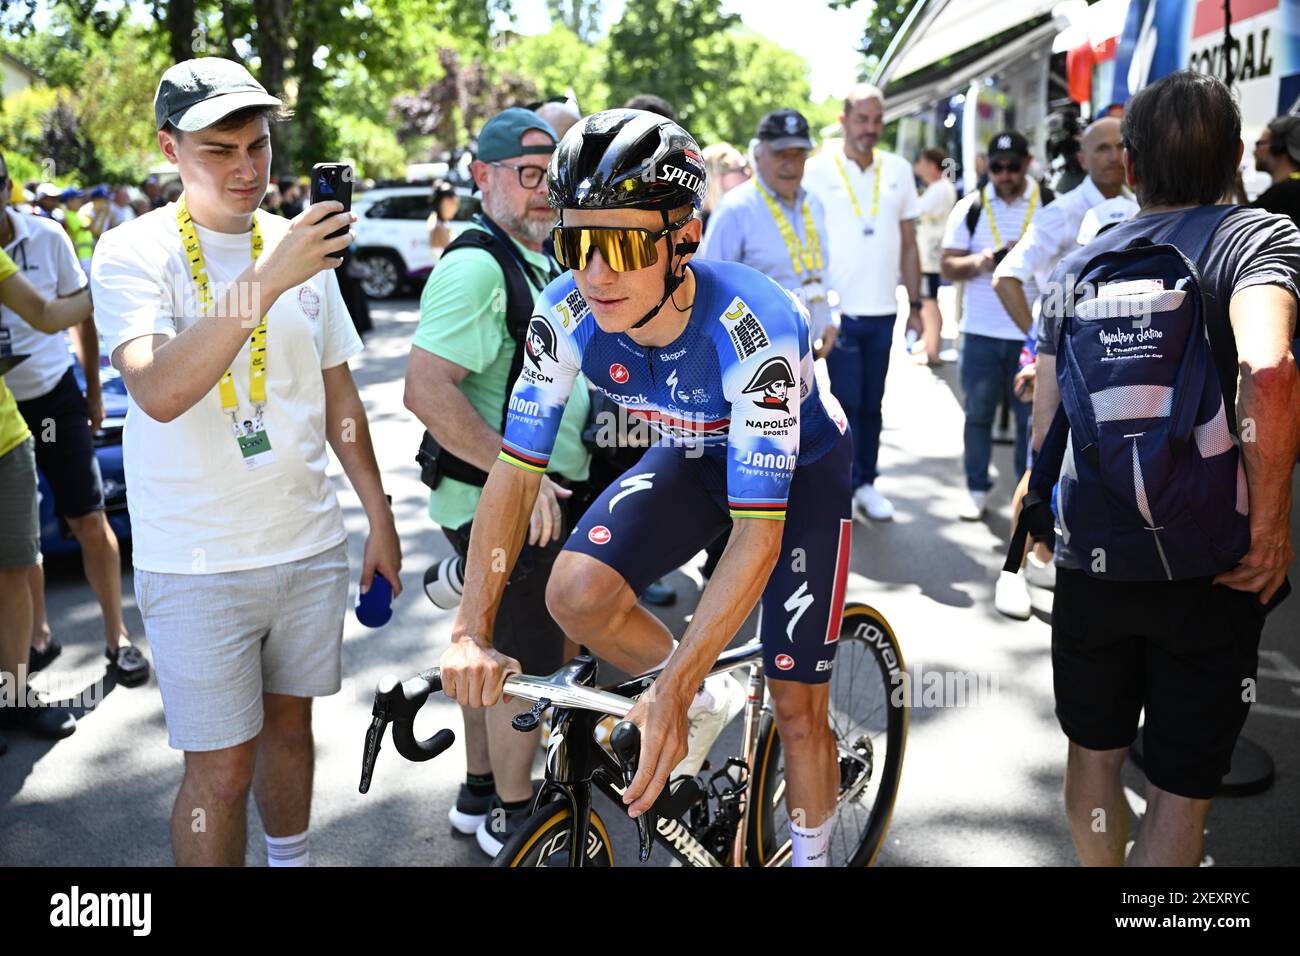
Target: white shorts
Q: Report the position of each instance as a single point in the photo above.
(221, 641)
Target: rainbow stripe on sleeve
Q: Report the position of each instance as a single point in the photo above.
(520, 458)
(763, 508)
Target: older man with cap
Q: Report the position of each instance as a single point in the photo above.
(233, 340)
(981, 230)
(871, 209)
(467, 351)
(772, 224)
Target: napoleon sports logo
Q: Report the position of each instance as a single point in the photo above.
(539, 342)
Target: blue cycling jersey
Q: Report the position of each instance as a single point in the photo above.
(738, 381)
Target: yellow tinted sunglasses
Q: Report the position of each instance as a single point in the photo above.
(623, 249)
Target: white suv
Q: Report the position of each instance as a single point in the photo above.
(392, 247)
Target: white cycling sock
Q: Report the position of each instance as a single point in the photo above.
(812, 846)
(288, 851)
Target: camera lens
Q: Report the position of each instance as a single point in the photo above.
(445, 581)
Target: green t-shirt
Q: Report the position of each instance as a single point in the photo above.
(463, 320)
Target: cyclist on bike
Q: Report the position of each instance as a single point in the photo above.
(717, 357)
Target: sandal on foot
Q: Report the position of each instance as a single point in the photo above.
(128, 665)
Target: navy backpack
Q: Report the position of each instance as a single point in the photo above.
(1144, 445)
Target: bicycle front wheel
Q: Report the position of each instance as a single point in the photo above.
(870, 733)
(543, 840)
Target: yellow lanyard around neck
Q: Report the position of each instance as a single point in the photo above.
(1293, 176)
(801, 257)
(257, 348)
(993, 220)
(875, 189)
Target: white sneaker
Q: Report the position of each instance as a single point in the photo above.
(876, 506)
(706, 720)
(1038, 574)
(973, 509)
(1011, 596)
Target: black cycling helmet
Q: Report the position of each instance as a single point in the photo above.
(626, 159)
(630, 159)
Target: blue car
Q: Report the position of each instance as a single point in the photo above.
(56, 538)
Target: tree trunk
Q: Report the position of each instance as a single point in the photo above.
(273, 50)
(180, 25)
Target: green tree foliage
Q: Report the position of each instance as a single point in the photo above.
(579, 17)
(887, 17)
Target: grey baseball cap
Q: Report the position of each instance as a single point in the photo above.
(198, 93)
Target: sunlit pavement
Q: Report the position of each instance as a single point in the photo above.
(981, 782)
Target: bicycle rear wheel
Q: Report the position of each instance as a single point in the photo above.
(870, 733)
(543, 840)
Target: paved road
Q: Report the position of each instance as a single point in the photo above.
(981, 784)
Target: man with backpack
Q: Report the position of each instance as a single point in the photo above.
(1166, 341)
(466, 354)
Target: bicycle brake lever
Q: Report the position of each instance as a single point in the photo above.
(382, 716)
(625, 741)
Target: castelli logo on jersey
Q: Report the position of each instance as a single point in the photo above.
(618, 373)
(600, 535)
(784, 662)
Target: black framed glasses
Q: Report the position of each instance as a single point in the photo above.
(623, 249)
(1004, 167)
(530, 177)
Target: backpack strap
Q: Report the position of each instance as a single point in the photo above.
(973, 213)
(1035, 519)
(519, 311)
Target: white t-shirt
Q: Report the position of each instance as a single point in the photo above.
(864, 269)
(195, 508)
(982, 310)
(935, 205)
(46, 258)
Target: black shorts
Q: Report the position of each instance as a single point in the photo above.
(929, 285)
(65, 450)
(1183, 651)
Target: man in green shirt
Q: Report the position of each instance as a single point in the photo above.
(457, 383)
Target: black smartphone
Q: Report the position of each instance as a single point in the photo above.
(332, 181)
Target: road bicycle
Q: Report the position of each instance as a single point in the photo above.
(732, 816)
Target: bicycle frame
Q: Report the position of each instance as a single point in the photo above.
(575, 762)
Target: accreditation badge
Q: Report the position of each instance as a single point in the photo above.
(813, 292)
(254, 443)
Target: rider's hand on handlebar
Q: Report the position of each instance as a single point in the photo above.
(473, 672)
(661, 718)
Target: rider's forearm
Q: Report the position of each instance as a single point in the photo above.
(1011, 292)
(732, 591)
(500, 524)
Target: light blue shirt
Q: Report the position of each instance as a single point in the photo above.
(742, 230)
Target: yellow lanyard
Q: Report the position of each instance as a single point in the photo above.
(1293, 176)
(257, 350)
(875, 190)
(993, 220)
(811, 255)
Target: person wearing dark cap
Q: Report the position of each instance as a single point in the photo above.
(216, 314)
(458, 381)
(772, 224)
(982, 228)
(1277, 152)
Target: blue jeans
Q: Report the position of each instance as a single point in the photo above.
(988, 368)
(857, 366)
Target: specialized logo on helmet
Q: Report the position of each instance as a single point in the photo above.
(774, 379)
(679, 176)
(540, 342)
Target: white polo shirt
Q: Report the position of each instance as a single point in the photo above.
(1053, 234)
(46, 258)
(864, 269)
(982, 310)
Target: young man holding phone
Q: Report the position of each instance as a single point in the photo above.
(216, 317)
